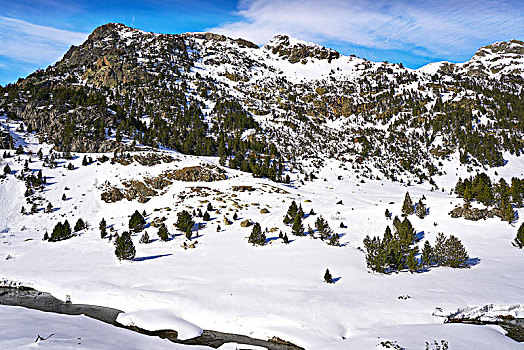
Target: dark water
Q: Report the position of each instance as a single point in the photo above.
(33, 299)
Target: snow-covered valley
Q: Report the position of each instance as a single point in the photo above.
(225, 283)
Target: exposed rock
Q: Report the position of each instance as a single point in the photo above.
(112, 195)
(474, 214)
(196, 174)
(299, 51)
(137, 189)
(246, 223)
(243, 188)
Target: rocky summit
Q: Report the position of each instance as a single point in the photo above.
(207, 94)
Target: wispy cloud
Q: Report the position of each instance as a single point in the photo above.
(431, 28)
(35, 44)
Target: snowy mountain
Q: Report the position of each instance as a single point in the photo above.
(218, 181)
(493, 61)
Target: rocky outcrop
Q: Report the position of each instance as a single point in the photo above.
(51, 123)
(475, 214)
(246, 223)
(112, 195)
(196, 174)
(154, 186)
(298, 51)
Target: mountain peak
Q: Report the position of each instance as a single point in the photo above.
(513, 46)
(295, 50)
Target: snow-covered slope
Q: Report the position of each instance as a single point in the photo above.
(352, 135)
(227, 284)
(492, 61)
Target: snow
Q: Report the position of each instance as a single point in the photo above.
(155, 320)
(19, 328)
(490, 312)
(226, 284)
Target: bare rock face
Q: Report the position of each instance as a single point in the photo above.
(297, 51)
(52, 122)
(474, 214)
(154, 186)
(246, 223)
(197, 174)
(112, 195)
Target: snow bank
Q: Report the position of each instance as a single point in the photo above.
(19, 328)
(155, 320)
(490, 312)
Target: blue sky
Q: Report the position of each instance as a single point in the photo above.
(34, 34)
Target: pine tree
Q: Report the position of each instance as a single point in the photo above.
(34, 208)
(285, 239)
(60, 232)
(519, 238)
(124, 247)
(376, 254)
(210, 207)
(46, 236)
(387, 214)
(458, 257)
(421, 209)
(411, 262)
(427, 254)
(136, 222)
(449, 252)
(80, 225)
(509, 213)
(102, 227)
(206, 216)
(145, 238)
(396, 222)
(7, 169)
(257, 237)
(310, 231)
(323, 228)
(64, 197)
(334, 240)
(407, 207)
(189, 233)
(49, 208)
(297, 229)
(184, 221)
(327, 277)
(291, 213)
(235, 216)
(163, 233)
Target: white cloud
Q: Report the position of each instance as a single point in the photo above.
(30, 43)
(445, 27)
